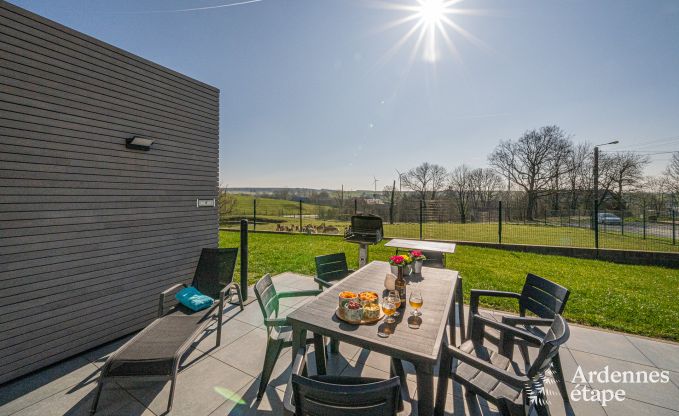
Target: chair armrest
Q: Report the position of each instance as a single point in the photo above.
(507, 329)
(322, 282)
(161, 301)
(298, 369)
(272, 322)
(300, 293)
(502, 375)
(526, 320)
(476, 295)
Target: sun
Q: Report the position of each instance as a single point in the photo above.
(432, 27)
(431, 11)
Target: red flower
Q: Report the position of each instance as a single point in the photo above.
(416, 253)
(396, 260)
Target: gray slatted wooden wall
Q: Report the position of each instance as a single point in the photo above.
(90, 231)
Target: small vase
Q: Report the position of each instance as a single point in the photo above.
(417, 266)
(394, 270)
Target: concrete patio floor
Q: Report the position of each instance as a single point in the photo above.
(224, 381)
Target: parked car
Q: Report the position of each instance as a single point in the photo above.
(608, 218)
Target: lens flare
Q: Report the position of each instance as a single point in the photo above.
(432, 25)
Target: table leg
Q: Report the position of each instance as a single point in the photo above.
(298, 340)
(444, 376)
(319, 351)
(425, 388)
(460, 305)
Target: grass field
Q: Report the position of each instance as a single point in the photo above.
(269, 207)
(538, 234)
(635, 299)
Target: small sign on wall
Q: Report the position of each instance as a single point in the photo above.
(205, 203)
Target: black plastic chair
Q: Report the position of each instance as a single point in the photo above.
(155, 352)
(539, 296)
(279, 330)
(494, 376)
(339, 395)
(331, 268)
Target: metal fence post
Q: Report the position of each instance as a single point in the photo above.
(254, 214)
(355, 206)
(643, 216)
(300, 215)
(499, 222)
(622, 222)
(595, 223)
(421, 217)
(244, 259)
(674, 227)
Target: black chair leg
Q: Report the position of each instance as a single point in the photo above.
(319, 352)
(240, 298)
(523, 349)
(557, 371)
(334, 346)
(273, 350)
(95, 402)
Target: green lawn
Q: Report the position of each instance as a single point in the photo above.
(271, 207)
(536, 234)
(635, 299)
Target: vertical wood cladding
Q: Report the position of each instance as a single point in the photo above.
(90, 231)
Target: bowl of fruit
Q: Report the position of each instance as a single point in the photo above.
(353, 311)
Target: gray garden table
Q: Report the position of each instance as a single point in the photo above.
(420, 346)
(436, 246)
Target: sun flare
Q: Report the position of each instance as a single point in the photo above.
(432, 25)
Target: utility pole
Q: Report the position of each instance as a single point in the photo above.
(596, 192)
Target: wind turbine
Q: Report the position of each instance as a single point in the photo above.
(375, 180)
(400, 175)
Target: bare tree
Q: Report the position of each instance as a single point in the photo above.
(672, 173)
(533, 161)
(579, 173)
(226, 202)
(426, 179)
(485, 185)
(621, 172)
(460, 187)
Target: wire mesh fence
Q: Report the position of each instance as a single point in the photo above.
(635, 228)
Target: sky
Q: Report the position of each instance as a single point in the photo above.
(325, 93)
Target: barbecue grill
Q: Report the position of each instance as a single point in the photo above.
(365, 230)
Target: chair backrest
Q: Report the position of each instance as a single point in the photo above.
(331, 267)
(267, 297)
(542, 297)
(556, 336)
(215, 270)
(345, 396)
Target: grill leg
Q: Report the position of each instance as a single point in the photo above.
(362, 255)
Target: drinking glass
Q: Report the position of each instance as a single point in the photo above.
(416, 302)
(397, 301)
(389, 307)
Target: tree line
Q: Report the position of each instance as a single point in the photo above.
(546, 165)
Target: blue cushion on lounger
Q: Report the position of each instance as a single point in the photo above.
(193, 299)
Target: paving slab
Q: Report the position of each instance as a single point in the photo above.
(662, 354)
(661, 394)
(33, 388)
(200, 389)
(604, 343)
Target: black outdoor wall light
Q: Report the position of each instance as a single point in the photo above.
(138, 143)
